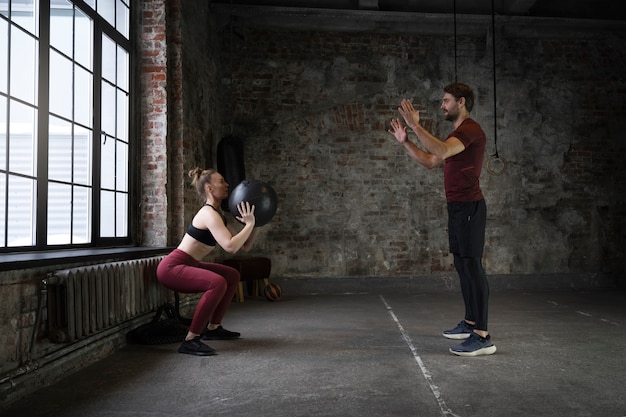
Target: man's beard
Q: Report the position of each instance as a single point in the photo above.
(451, 117)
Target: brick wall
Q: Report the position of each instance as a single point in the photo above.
(180, 110)
(153, 67)
(313, 106)
(313, 109)
(201, 106)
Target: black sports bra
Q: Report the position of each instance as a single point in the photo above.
(204, 235)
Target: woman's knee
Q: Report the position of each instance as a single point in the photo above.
(231, 275)
(219, 287)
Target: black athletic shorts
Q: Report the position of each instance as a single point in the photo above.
(466, 228)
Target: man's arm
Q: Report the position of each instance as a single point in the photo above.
(426, 159)
(439, 148)
(442, 150)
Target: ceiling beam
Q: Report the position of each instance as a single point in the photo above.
(341, 20)
(368, 4)
(518, 7)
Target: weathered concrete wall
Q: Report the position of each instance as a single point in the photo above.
(313, 107)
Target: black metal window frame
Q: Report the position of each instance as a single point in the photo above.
(101, 27)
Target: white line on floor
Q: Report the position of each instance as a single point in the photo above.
(445, 410)
(582, 313)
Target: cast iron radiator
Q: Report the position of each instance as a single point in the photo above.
(88, 299)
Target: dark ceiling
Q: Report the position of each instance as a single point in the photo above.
(571, 9)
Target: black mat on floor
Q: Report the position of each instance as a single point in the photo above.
(162, 330)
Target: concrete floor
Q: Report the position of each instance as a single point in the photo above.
(560, 353)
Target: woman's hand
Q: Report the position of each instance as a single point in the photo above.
(246, 212)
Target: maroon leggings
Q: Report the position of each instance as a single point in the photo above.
(180, 272)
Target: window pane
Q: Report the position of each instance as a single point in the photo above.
(82, 215)
(106, 9)
(60, 150)
(108, 59)
(82, 155)
(3, 135)
(4, 7)
(121, 168)
(4, 55)
(122, 69)
(3, 219)
(69, 153)
(21, 216)
(84, 40)
(60, 85)
(107, 166)
(83, 103)
(25, 13)
(59, 214)
(107, 214)
(122, 116)
(23, 66)
(61, 22)
(121, 227)
(108, 108)
(91, 3)
(22, 148)
(122, 18)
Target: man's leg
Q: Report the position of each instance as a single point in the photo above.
(479, 341)
(464, 329)
(457, 220)
(479, 292)
(465, 280)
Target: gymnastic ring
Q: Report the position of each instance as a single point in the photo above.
(496, 172)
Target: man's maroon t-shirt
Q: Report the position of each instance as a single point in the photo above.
(461, 172)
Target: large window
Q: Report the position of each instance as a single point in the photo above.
(64, 123)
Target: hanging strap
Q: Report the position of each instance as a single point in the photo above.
(495, 108)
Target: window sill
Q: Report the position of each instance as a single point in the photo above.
(23, 260)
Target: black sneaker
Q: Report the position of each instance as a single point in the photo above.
(196, 347)
(461, 331)
(219, 334)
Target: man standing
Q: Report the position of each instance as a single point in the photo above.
(463, 153)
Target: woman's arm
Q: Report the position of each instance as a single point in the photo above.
(230, 242)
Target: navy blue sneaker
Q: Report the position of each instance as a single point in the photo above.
(475, 345)
(461, 331)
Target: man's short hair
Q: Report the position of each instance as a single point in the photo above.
(459, 90)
